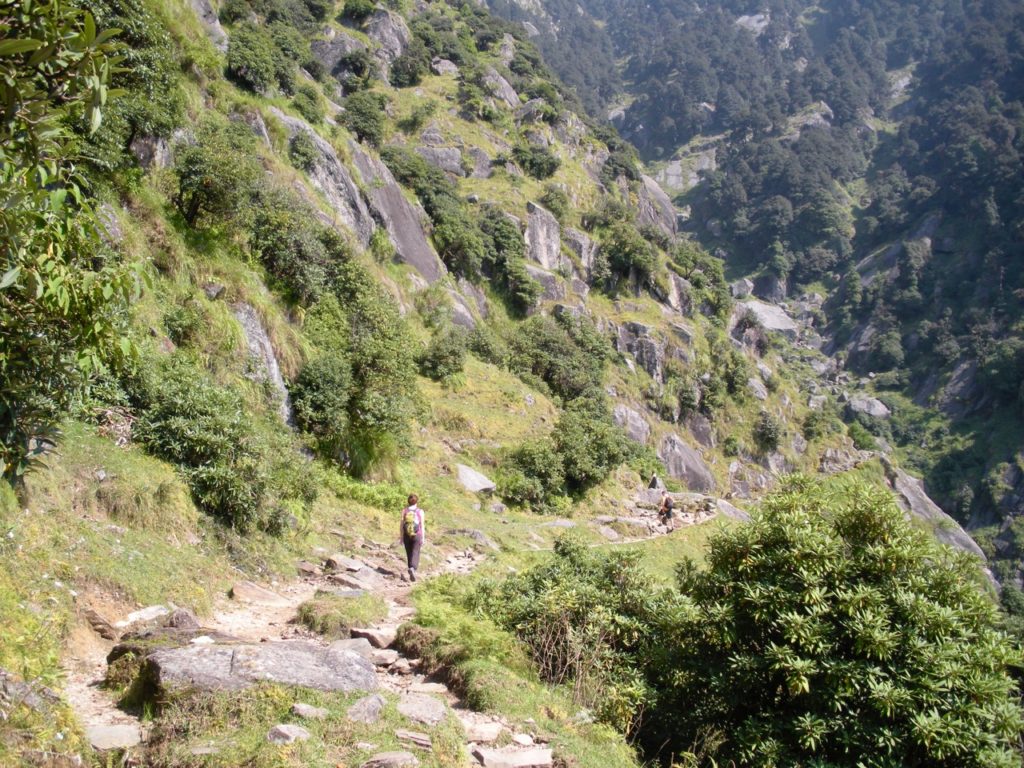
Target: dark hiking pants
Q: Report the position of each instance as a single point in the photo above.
(412, 550)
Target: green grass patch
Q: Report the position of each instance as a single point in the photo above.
(491, 670)
(334, 615)
(226, 730)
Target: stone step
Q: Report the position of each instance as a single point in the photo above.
(105, 738)
(415, 738)
(534, 757)
(379, 637)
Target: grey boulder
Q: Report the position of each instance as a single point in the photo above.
(234, 667)
(684, 463)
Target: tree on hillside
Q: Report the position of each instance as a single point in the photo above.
(830, 632)
(62, 293)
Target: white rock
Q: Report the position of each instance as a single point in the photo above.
(286, 733)
(473, 481)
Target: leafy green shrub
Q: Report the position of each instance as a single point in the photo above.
(364, 116)
(627, 251)
(418, 117)
(589, 444)
(545, 349)
(64, 297)
(830, 626)
(731, 446)
(302, 151)
(767, 432)
(532, 475)
(862, 439)
(488, 345)
(232, 11)
(185, 322)
(819, 422)
(383, 370)
(308, 103)
(217, 174)
(586, 618)
(556, 200)
(300, 253)
(358, 10)
(445, 356)
(203, 429)
(320, 399)
(409, 68)
(538, 162)
(150, 71)
(252, 58)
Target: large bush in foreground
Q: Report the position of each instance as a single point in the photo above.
(830, 632)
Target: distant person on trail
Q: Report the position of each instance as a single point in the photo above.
(413, 532)
(666, 511)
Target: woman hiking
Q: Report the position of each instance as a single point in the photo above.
(413, 533)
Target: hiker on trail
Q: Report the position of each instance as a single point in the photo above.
(666, 510)
(413, 532)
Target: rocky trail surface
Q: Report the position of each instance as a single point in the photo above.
(253, 635)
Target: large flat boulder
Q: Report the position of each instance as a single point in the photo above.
(391, 34)
(912, 497)
(632, 421)
(234, 667)
(474, 481)
(655, 206)
(869, 406)
(400, 218)
(500, 88)
(543, 242)
(685, 463)
(773, 318)
(332, 179)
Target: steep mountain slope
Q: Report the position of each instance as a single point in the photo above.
(869, 153)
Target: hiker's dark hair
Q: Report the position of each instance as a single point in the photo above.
(413, 499)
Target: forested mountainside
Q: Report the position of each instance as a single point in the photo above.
(271, 265)
(865, 152)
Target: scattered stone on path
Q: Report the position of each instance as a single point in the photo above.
(100, 625)
(151, 613)
(306, 568)
(367, 709)
(416, 738)
(341, 562)
(309, 712)
(392, 760)
(352, 582)
(182, 618)
(381, 637)
(428, 688)
(104, 738)
(481, 731)
(559, 524)
(523, 739)
(609, 533)
(358, 645)
(536, 757)
(286, 733)
(422, 708)
(248, 592)
(383, 658)
(402, 667)
(233, 667)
